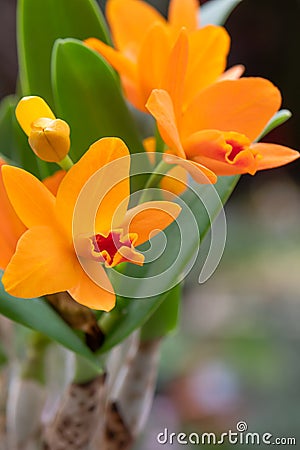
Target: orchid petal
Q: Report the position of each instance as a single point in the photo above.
(200, 173)
(243, 105)
(161, 107)
(274, 155)
(52, 183)
(32, 201)
(101, 181)
(150, 218)
(184, 14)
(11, 227)
(42, 265)
(30, 109)
(208, 50)
(175, 72)
(151, 60)
(98, 295)
(129, 20)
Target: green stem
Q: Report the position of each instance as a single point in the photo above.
(85, 371)
(153, 182)
(66, 163)
(33, 366)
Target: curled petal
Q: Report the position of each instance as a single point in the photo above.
(175, 72)
(152, 60)
(161, 107)
(198, 172)
(225, 153)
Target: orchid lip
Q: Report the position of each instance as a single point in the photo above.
(110, 248)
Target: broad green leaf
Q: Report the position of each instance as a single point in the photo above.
(14, 143)
(130, 314)
(278, 119)
(88, 97)
(38, 315)
(39, 24)
(216, 12)
(165, 318)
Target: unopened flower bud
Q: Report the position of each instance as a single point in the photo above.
(50, 139)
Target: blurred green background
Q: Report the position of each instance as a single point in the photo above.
(236, 354)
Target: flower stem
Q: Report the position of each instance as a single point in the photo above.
(85, 371)
(66, 163)
(153, 182)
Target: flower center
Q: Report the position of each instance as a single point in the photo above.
(237, 147)
(110, 243)
(115, 247)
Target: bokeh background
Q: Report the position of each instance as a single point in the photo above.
(236, 355)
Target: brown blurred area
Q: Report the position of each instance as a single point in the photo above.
(8, 49)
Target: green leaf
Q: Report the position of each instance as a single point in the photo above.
(88, 97)
(39, 24)
(7, 106)
(14, 143)
(216, 12)
(165, 318)
(3, 356)
(38, 315)
(278, 119)
(131, 313)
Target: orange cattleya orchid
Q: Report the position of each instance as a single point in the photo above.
(46, 261)
(215, 134)
(48, 137)
(147, 48)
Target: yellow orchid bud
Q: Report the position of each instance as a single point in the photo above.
(50, 139)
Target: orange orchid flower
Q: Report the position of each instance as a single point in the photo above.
(215, 134)
(46, 261)
(11, 227)
(147, 48)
